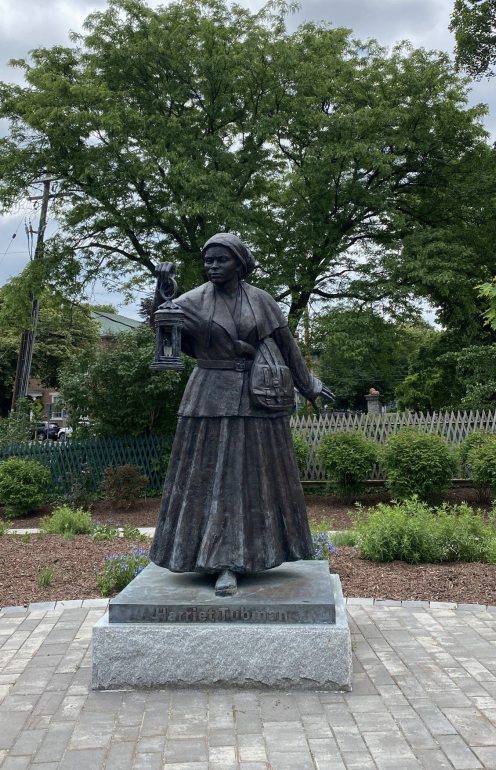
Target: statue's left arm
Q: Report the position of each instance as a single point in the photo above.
(308, 385)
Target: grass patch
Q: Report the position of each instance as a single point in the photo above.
(45, 576)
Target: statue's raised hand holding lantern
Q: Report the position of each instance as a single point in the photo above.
(169, 321)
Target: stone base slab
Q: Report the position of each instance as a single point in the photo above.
(314, 656)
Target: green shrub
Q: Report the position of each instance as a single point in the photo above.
(481, 460)
(119, 570)
(81, 493)
(348, 459)
(474, 439)
(413, 532)
(419, 464)
(67, 521)
(23, 485)
(302, 451)
(124, 484)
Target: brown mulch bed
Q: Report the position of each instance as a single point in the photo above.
(77, 563)
(460, 582)
(325, 510)
(143, 513)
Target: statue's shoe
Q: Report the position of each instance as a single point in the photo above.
(226, 584)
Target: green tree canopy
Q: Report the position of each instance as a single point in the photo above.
(359, 349)
(63, 328)
(119, 392)
(326, 155)
(474, 25)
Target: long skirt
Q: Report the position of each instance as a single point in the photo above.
(232, 498)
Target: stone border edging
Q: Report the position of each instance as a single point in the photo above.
(72, 604)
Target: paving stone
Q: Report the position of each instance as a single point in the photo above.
(487, 755)
(55, 743)
(387, 603)
(358, 760)
(120, 756)
(472, 607)
(193, 750)
(474, 728)
(459, 754)
(251, 748)
(83, 760)
(41, 606)
(17, 610)
(284, 761)
(433, 759)
(95, 603)
(16, 763)
(151, 761)
(414, 604)
(28, 742)
(359, 600)
(69, 604)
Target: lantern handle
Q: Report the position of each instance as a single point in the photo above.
(166, 282)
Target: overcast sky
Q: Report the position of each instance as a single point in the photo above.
(27, 24)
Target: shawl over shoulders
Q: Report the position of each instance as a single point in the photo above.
(210, 334)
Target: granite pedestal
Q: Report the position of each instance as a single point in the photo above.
(285, 629)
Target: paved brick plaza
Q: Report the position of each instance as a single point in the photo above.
(424, 697)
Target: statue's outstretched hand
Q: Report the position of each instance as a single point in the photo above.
(327, 393)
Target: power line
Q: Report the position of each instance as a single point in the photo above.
(11, 241)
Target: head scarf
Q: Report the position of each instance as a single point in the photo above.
(238, 248)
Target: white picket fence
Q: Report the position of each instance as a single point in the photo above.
(455, 426)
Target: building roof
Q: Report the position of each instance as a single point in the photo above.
(112, 323)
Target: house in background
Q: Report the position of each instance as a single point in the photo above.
(110, 325)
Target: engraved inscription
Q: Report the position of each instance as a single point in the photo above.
(217, 615)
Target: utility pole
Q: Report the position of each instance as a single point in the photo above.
(25, 358)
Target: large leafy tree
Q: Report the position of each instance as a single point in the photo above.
(116, 388)
(474, 25)
(63, 329)
(326, 155)
(359, 349)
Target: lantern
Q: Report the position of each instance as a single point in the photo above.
(169, 320)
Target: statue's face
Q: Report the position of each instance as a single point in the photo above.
(220, 264)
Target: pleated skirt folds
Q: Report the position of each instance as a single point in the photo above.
(232, 498)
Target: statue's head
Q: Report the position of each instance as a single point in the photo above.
(225, 254)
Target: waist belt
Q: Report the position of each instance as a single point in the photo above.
(238, 365)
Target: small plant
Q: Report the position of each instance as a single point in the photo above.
(45, 576)
(302, 451)
(26, 537)
(124, 484)
(23, 485)
(132, 533)
(348, 459)
(4, 528)
(347, 537)
(67, 521)
(481, 459)
(81, 493)
(419, 464)
(120, 569)
(413, 532)
(106, 531)
(323, 546)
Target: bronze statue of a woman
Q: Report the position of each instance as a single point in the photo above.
(232, 499)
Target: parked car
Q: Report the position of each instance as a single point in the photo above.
(65, 433)
(45, 430)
